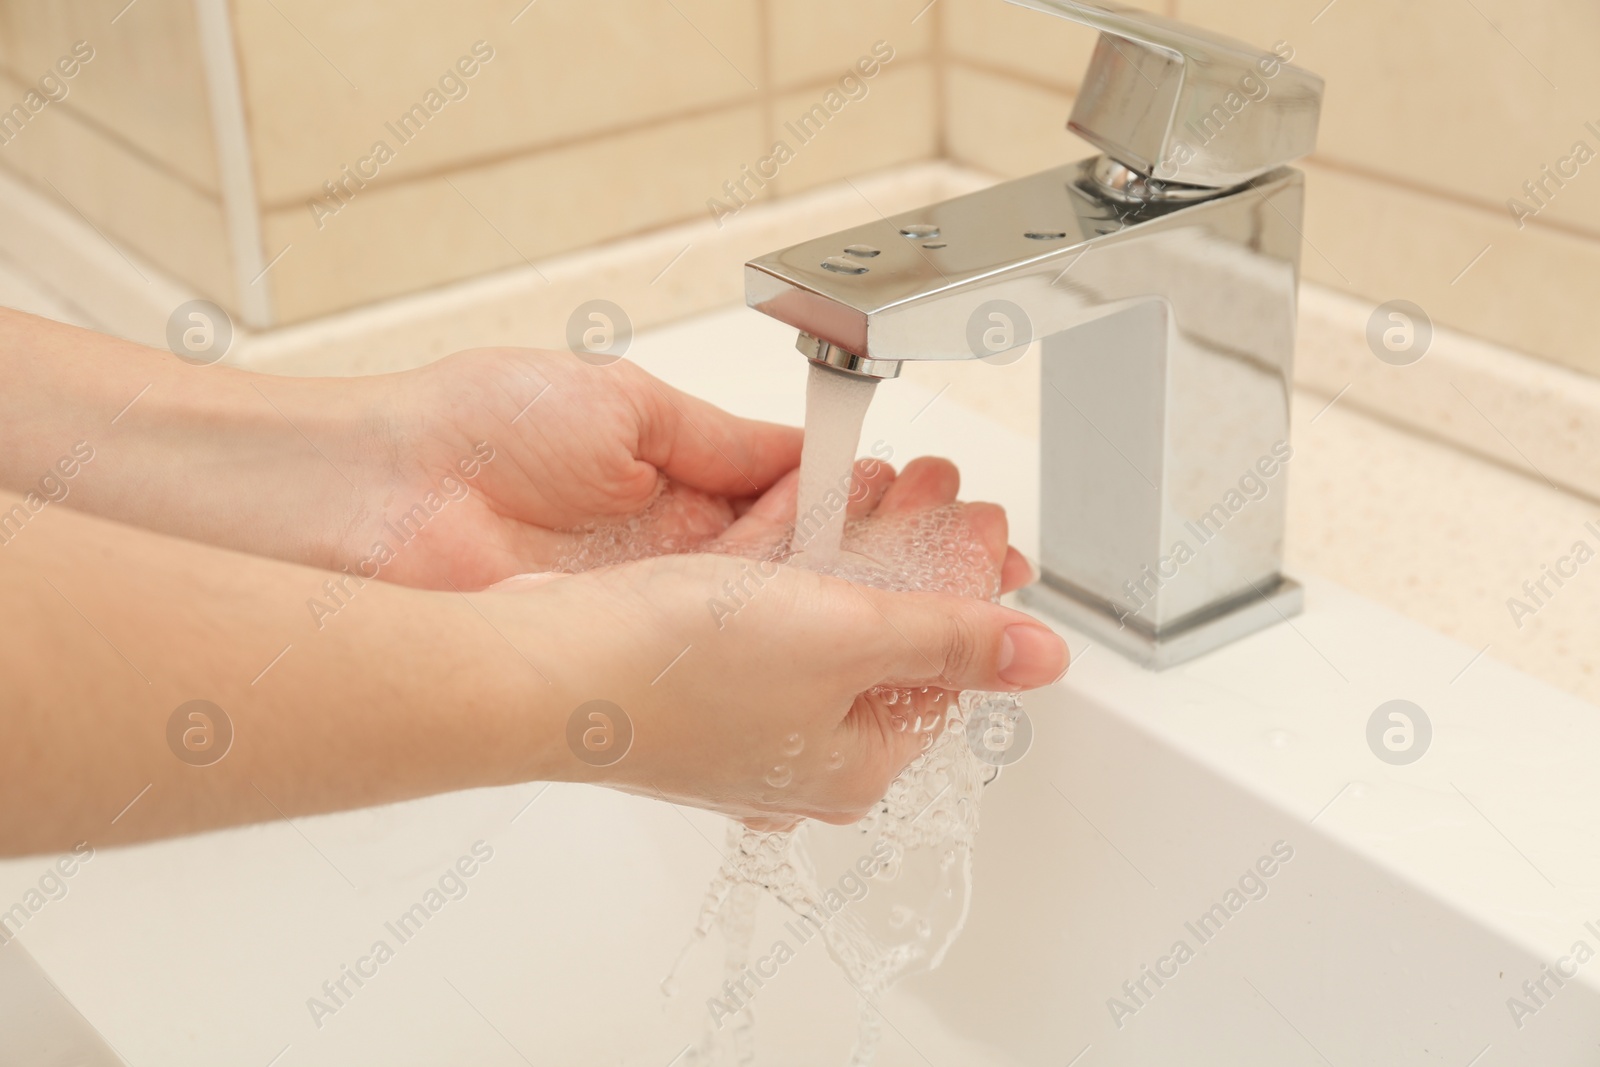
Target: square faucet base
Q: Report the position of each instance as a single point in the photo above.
(1285, 600)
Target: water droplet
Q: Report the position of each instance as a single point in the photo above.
(793, 745)
(835, 760)
(840, 265)
(780, 776)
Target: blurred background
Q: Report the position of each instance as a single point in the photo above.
(199, 135)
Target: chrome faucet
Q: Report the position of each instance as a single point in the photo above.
(1160, 281)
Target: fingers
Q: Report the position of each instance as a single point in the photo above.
(766, 519)
(927, 482)
(701, 445)
(955, 643)
(873, 481)
(988, 523)
(886, 730)
(1016, 571)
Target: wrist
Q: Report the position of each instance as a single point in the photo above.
(603, 649)
(542, 645)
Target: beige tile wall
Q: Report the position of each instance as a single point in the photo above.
(144, 87)
(425, 231)
(596, 119)
(321, 80)
(1436, 113)
(129, 148)
(581, 121)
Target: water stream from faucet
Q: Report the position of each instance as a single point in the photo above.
(836, 406)
(889, 895)
(904, 893)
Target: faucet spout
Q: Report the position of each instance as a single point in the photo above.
(1166, 326)
(830, 355)
(1160, 282)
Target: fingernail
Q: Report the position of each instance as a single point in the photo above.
(1031, 656)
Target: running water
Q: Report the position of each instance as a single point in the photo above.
(903, 896)
(913, 852)
(836, 406)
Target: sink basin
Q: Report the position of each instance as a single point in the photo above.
(1334, 907)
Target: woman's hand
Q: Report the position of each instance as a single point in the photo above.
(762, 691)
(877, 492)
(553, 444)
(408, 692)
(454, 475)
(768, 712)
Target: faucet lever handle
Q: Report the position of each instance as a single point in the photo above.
(1184, 105)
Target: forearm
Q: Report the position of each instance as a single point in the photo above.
(109, 629)
(256, 462)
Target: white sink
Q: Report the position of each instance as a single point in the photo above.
(1417, 899)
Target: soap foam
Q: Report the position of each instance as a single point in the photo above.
(677, 519)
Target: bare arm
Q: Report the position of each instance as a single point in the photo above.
(257, 462)
(479, 463)
(344, 691)
(109, 629)
(404, 692)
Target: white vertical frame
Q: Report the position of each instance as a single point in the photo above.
(235, 168)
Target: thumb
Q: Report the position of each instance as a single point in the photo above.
(955, 643)
(709, 449)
